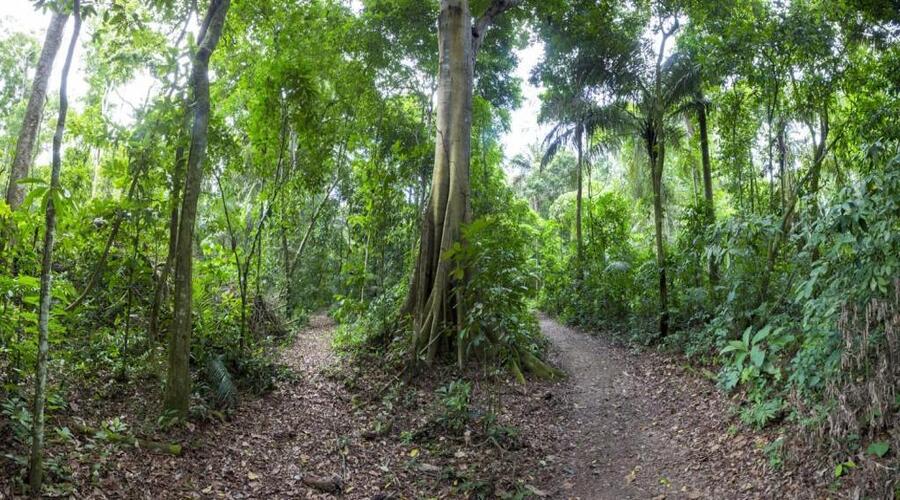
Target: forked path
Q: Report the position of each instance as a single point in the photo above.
(623, 425)
(640, 426)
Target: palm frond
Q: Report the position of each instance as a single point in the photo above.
(675, 134)
(220, 380)
(558, 136)
(614, 118)
(522, 162)
(682, 81)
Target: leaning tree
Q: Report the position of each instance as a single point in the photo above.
(28, 134)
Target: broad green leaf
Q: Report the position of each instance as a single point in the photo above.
(734, 345)
(762, 334)
(757, 356)
(746, 336)
(878, 448)
(31, 180)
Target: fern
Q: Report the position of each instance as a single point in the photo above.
(221, 382)
(761, 413)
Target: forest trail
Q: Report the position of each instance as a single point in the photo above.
(640, 426)
(622, 425)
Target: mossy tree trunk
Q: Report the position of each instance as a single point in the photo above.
(178, 380)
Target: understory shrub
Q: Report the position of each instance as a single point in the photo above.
(604, 292)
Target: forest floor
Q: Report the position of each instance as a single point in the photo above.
(644, 425)
(624, 424)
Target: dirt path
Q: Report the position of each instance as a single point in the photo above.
(640, 427)
(623, 425)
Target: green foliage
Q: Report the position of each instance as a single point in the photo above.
(498, 261)
(761, 412)
(224, 390)
(843, 468)
(16, 412)
(878, 448)
(775, 453)
(754, 359)
(453, 399)
(607, 294)
(367, 325)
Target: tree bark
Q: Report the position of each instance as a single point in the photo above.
(707, 186)
(37, 440)
(578, 206)
(15, 193)
(178, 382)
(656, 152)
(432, 294)
(434, 299)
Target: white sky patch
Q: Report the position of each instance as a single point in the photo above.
(21, 16)
(524, 128)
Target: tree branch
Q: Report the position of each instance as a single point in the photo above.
(484, 22)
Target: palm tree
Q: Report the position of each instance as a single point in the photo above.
(574, 117)
(654, 99)
(660, 98)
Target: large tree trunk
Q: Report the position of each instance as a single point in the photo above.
(707, 186)
(15, 193)
(433, 296)
(37, 430)
(656, 152)
(178, 381)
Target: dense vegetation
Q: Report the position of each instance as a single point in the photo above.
(718, 179)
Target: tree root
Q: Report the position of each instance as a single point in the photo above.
(114, 437)
(516, 371)
(333, 484)
(534, 365)
(539, 368)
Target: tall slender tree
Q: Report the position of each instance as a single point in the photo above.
(575, 120)
(663, 93)
(661, 97)
(46, 296)
(178, 381)
(709, 204)
(15, 192)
